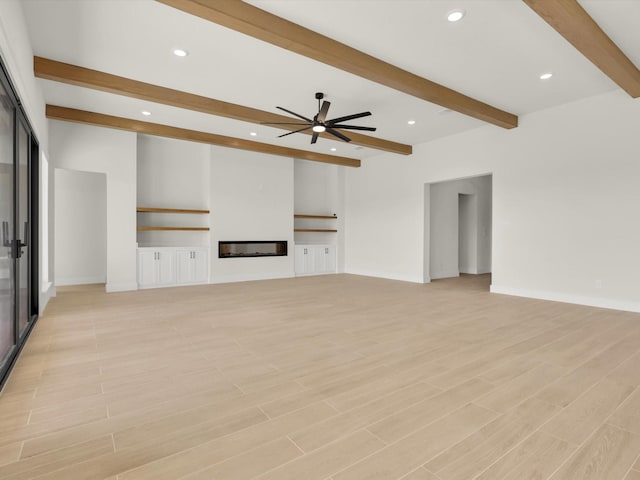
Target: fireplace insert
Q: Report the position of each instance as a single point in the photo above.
(252, 248)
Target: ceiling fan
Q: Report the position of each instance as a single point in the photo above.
(319, 123)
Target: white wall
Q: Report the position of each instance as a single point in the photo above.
(565, 201)
(173, 174)
(385, 219)
(319, 190)
(81, 227)
(251, 199)
(113, 152)
(443, 203)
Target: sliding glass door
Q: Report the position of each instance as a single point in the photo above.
(18, 220)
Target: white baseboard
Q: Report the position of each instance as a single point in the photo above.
(121, 287)
(61, 282)
(599, 302)
(244, 277)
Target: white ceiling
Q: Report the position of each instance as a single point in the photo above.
(495, 54)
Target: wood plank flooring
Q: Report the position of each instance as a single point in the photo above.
(334, 377)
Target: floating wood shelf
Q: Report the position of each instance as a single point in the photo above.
(314, 216)
(169, 210)
(314, 230)
(191, 229)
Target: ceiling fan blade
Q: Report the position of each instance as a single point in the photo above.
(322, 114)
(336, 133)
(348, 117)
(314, 137)
(295, 131)
(296, 115)
(354, 127)
(284, 123)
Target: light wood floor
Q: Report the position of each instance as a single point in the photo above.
(334, 377)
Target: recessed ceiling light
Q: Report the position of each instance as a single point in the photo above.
(455, 15)
(411, 122)
(318, 128)
(180, 53)
(333, 149)
(146, 113)
(546, 76)
(444, 111)
(253, 134)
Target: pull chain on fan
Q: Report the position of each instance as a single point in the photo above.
(319, 123)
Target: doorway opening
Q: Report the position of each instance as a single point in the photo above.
(80, 239)
(467, 233)
(458, 222)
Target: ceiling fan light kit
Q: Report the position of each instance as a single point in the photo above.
(320, 124)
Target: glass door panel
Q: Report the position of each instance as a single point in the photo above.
(7, 292)
(22, 229)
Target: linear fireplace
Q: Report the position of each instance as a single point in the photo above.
(252, 248)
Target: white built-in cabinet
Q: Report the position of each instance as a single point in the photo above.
(170, 266)
(315, 259)
(156, 267)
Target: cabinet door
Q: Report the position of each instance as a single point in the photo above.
(166, 272)
(147, 268)
(299, 259)
(200, 263)
(330, 259)
(184, 267)
(318, 259)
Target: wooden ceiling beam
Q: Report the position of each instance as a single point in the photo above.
(257, 23)
(105, 82)
(55, 112)
(572, 21)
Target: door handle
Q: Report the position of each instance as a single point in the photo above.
(20, 244)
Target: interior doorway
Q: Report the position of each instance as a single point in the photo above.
(467, 232)
(80, 238)
(458, 217)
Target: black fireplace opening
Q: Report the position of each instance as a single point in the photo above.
(252, 248)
